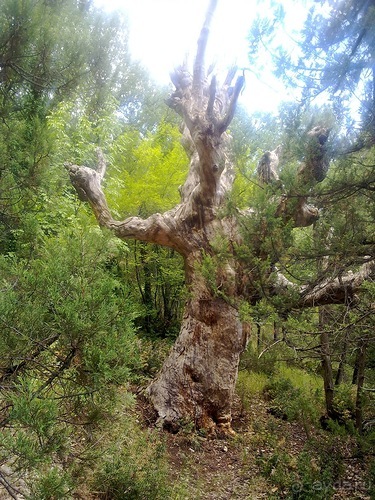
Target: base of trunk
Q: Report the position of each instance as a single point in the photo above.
(197, 382)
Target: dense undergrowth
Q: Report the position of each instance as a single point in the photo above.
(316, 467)
(80, 343)
(61, 445)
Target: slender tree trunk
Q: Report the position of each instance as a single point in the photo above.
(325, 355)
(356, 368)
(259, 336)
(343, 356)
(361, 378)
(147, 287)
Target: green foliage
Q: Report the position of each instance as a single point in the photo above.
(296, 394)
(209, 270)
(341, 57)
(371, 479)
(68, 296)
(315, 477)
(250, 385)
(331, 55)
(309, 474)
(51, 53)
(67, 342)
(266, 364)
(159, 276)
(133, 466)
(52, 484)
(157, 161)
(277, 467)
(75, 133)
(55, 295)
(152, 353)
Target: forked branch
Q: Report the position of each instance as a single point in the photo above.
(225, 122)
(158, 228)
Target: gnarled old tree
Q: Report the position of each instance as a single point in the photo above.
(197, 380)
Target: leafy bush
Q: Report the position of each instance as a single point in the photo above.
(133, 466)
(344, 401)
(67, 343)
(312, 480)
(52, 484)
(151, 357)
(249, 385)
(296, 394)
(309, 475)
(251, 362)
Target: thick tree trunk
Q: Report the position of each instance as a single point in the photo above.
(197, 381)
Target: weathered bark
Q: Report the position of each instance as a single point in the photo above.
(331, 290)
(294, 205)
(198, 378)
(197, 381)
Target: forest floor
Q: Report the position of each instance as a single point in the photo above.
(251, 465)
(268, 458)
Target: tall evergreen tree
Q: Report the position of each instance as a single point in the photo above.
(51, 53)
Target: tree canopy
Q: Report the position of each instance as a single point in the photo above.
(334, 61)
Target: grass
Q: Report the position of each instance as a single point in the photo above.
(308, 383)
(250, 385)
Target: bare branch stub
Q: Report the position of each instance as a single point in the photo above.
(316, 162)
(332, 290)
(159, 229)
(199, 71)
(230, 76)
(102, 165)
(294, 204)
(87, 183)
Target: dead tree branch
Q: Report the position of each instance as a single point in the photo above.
(338, 290)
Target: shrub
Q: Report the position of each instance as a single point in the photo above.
(54, 484)
(313, 480)
(133, 466)
(249, 385)
(296, 394)
(251, 362)
(67, 343)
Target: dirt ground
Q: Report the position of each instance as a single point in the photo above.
(216, 469)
